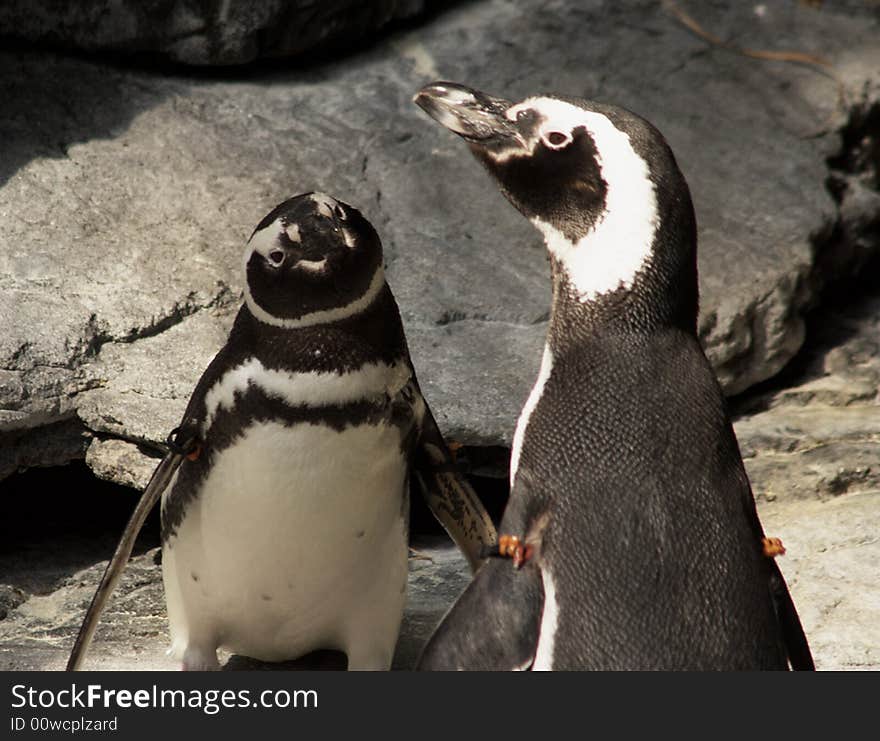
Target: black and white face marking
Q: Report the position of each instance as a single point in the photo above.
(571, 170)
(312, 260)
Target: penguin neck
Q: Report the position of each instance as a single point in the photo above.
(374, 334)
(658, 296)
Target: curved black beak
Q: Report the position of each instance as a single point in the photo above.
(473, 115)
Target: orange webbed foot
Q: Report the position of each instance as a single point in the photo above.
(772, 547)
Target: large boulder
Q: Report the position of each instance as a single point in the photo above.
(126, 197)
(218, 32)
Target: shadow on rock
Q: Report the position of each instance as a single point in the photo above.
(52, 102)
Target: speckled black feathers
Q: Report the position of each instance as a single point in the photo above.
(652, 543)
(507, 606)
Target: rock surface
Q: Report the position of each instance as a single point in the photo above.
(830, 566)
(202, 33)
(816, 434)
(831, 569)
(39, 632)
(125, 205)
(811, 444)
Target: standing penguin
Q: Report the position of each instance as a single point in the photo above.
(631, 524)
(285, 497)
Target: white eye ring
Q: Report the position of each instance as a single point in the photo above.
(556, 139)
(517, 112)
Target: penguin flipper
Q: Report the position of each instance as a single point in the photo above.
(795, 641)
(493, 626)
(449, 496)
(158, 482)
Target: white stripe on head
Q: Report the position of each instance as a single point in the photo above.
(293, 233)
(528, 408)
(265, 240)
(325, 316)
(556, 115)
(619, 244)
(325, 203)
(311, 389)
(312, 266)
(549, 623)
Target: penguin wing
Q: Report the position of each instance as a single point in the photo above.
(794, 640)
(449, 496)
(494, 625)
(159, 482)
(161, 478)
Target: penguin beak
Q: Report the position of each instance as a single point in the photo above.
(477, 117)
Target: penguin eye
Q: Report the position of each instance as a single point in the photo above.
(517, 113)
(556, 139)
(340, 213)
(276, 257)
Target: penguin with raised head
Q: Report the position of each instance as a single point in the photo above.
(285, 496)
(631, 526)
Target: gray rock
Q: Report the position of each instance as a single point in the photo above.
(39, 632)
(121, 462)
(53, 445)
(10, 598)
(818, 436)
(127, 202)
(202, 33)
(831, 568)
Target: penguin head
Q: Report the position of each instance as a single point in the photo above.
(593, 178)
(541, 151)
(312, 259)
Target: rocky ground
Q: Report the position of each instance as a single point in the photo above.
(125, 203)
(811, 444)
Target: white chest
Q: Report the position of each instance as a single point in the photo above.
(295, 529)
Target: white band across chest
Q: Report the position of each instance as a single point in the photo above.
(311, 389)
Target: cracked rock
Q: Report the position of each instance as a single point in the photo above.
(121, 462)
(815, 434)
(125, 207)
(52, 445)
(10, 598)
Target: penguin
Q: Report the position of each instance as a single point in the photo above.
(630, 539)
(284, 496)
